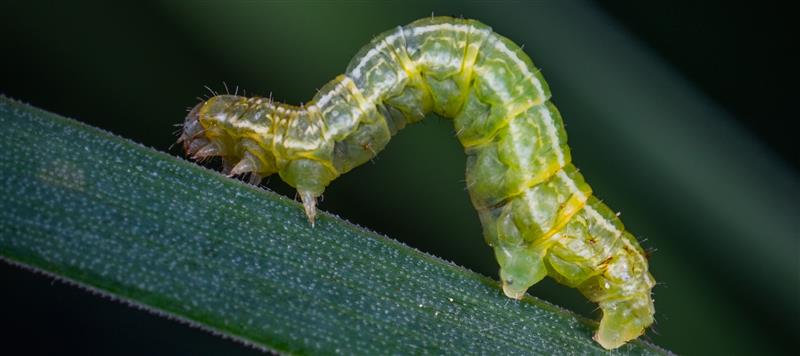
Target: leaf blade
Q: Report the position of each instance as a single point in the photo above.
(180, 240)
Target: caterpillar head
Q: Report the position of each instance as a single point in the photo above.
(240, 130)
(200, 137)
(204, 135)
(192, 136)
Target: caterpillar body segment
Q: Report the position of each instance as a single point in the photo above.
(537, 211)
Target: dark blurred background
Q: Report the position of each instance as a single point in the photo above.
(678, 114)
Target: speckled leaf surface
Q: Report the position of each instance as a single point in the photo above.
(180, 240)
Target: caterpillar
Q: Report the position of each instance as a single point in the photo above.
(537, 211)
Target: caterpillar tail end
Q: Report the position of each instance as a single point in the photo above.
(623, 321)
(309, 205)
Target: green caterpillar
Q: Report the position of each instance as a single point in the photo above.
(537, 212)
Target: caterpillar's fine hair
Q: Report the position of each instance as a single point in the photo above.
(537, 212)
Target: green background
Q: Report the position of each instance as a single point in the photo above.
(674, 121)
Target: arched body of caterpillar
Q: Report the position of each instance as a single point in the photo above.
(537, 212)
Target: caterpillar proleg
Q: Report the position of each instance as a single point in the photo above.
(538, 213)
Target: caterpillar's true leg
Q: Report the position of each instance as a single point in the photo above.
(245, 165)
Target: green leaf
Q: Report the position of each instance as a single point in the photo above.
(183, 241)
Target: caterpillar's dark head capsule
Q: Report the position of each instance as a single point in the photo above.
(198, 139)
(192, 136)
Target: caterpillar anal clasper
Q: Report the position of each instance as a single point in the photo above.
(537, 212)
